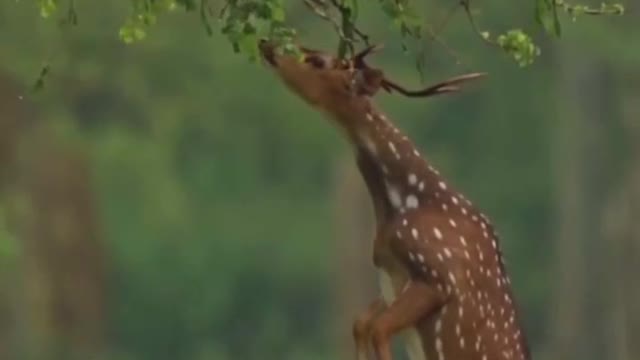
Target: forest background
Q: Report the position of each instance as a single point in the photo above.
(169, 199)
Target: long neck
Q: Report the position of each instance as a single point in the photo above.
(399, 179)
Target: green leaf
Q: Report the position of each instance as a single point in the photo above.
(519, 46)
(47, 7)
(249, 45)
(277, 14)
(547, 16)
(276, 11)
(188, 5)
(132, 31)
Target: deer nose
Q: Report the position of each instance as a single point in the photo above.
(267, 51)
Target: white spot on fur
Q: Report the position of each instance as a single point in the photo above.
(412, 178)
(463, 241)
(393, 149)
(412, 201)
(394, 196)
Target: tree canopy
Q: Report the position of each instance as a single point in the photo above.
(244, 22)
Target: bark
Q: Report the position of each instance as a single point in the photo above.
(52, 302)
(13, 116)
(63, 258)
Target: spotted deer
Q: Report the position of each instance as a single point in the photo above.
(442, 272)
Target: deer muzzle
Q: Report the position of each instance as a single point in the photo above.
(267, 50)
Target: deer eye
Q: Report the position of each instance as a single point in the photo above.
(317, 62)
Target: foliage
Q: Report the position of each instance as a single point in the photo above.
(244, 22)
(547, 16)
(519, 45)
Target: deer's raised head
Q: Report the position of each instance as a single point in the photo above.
(330, 83)
(323, 80)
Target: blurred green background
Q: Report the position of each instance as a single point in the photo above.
(171, 200)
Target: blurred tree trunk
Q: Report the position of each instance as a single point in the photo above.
(355, 275)
(12, 117)
(623, 235)
(63, 260)
(580, 168)
(58, 283)
(632, 242)
(622, 220)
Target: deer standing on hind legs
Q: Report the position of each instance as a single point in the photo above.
(444, 280)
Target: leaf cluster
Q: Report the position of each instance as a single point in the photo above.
(244, 22)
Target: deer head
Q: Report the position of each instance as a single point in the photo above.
(330, 83)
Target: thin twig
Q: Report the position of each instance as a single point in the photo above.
(364, 37)
(323, 15)
(346, 14)
(346, 43)
(345, 28)
(204, 16)
(64, 24)
(474, 26)
(605, 9)
(434, 35)
(447, 18)
(224, 9)
(438, 40)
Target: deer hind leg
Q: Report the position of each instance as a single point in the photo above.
(417, 301)
(362, 328)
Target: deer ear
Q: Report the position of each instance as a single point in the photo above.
(367, 81)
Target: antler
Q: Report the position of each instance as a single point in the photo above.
(447, 86)
(358, 59)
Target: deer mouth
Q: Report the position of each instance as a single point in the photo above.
(267, 51)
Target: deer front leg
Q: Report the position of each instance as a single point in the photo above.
(417, 301)
(362, 328)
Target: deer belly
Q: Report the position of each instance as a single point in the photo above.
(415, 350)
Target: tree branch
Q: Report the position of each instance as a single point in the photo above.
(322, 13)
(605, 9)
